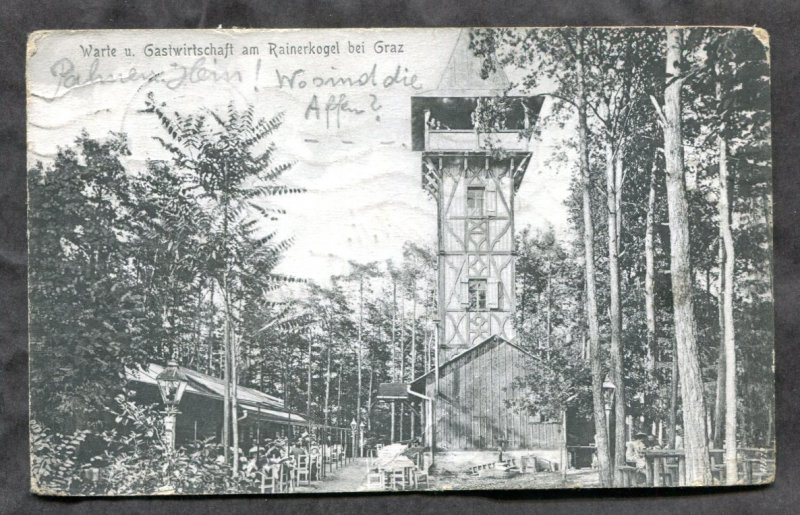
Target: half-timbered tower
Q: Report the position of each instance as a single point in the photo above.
(474, 155)
(473, 137)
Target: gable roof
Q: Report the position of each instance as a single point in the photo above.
(463, 72)
(462, 75)
(491, 339)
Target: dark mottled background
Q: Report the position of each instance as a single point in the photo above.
(19, 17)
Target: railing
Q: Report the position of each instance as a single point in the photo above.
(438, 139)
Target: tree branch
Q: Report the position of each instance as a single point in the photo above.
(662, 120)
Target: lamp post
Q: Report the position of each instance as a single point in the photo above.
(361, 427)
(353, 426)
(172, 383)
(608, 401)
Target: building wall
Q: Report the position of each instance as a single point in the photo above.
(475, 247)
(471, 411)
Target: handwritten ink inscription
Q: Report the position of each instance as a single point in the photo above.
(332, 99)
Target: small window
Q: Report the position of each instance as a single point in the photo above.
(475, 201)
(477, 294)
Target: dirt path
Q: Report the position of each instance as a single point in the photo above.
(350, 478)
(353, 478)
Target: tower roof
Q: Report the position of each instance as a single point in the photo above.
(462, 75)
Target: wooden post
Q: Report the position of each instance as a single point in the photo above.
(391, 435)
(258, 436)
(435, 391)
(565, 456)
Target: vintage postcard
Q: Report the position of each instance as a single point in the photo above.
(310, 261)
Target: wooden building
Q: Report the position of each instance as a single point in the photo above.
(261, 416)
(472, 410)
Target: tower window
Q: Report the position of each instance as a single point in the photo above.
(475, 201)
(477, 295)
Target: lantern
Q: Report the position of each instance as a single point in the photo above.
(608, 400)
(172, 383)
(608, 393)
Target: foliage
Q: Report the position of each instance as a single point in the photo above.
(133, 460)
(87, 319)
(624, 69)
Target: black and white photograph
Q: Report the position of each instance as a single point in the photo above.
(311, 261)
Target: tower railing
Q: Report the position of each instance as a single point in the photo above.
(450, 140)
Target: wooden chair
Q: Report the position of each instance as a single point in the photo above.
(421, 474)
(275, 479)
(629, 475)
(303, 468)
(267, 481)
(717, 466)
(376, 476)
(398, 479)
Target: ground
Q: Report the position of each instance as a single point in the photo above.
(352, 478)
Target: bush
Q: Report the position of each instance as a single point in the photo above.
(134, 460)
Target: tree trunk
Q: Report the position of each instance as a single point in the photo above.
(615, 318)
(339, 394)
(234, 393)
(414, 332)
(673, 395)
(696, 447)
(649, 279)
(308, 384)
(719, 403)
(327, 384)
(198, 327)
(549, 322)
(598, 408)
(358, 354)
(210, 349)
(402, 360)
(428, 339)
(369, 397)
(394, 329)
(727, 311)
(618, 175)
(226, 299)
(226, 418)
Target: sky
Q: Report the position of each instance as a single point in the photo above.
(350, 143)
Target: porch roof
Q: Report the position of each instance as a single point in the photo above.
(208, 386)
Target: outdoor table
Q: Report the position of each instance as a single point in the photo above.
(748, 462)
(656, 464)
(400, 464)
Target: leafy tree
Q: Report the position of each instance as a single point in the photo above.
(87, 316)
(230, 159)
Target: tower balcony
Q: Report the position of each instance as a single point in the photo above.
(474, 141)
(473, 124)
